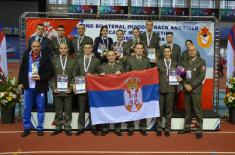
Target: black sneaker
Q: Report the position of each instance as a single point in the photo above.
(118, 133)
(80, 131)
(40, 133)
(130, 133)
(25, 133)
(143, 132)
(183, 131)
(167, 133)
(68, 133)
(56, 132)
(198, 135)
(159, 133)
(103, 133)
(95, 132)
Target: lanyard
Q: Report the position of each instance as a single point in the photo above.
(79, 42)
(134, 41)
(65, 62)
(121, 42)
(149, 39)
(104, 42)
(59, 40)
(84, 63)
(167, 67)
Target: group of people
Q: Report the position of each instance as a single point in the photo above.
(45, 61)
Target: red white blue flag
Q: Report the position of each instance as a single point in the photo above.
(127, 97)
(231, 53)
(3, 52)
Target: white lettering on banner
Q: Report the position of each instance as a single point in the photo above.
(182, 30)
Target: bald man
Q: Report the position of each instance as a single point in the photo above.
(34, 74)
(196, 72)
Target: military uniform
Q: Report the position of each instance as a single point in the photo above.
(167, 93)
(63, 101)
(108, 68)
(185, 55)
(131, 44)
(79, 43)
(176, 53)
(93, 68)
(126, 52)
(196, 71)
(154, 42)
(134, 64)
(56, 45)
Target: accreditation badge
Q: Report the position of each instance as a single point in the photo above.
(188, 74)
(80, 85)
(62, 83)
(151, 54)
(172, 77)
(101, 48)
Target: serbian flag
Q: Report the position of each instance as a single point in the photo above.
(121, 98)
(3, 52)
(231, 53)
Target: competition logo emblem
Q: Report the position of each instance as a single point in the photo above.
(133, 95)
(204, 37)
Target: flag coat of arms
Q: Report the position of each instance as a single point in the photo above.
(121, 98)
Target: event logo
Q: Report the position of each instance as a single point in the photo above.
(204, 37)
(133, 95)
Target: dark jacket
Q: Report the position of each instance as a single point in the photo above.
(134, 64)
(163, 78)
(45, 45)
(98, 40)
(176, 53)
(56, 46)
(93, 68)
(198, 73)
(45, 72)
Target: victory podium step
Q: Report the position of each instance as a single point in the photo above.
(211, 121)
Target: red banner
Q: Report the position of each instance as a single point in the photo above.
(50, 26)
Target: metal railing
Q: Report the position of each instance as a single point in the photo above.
(24, 16)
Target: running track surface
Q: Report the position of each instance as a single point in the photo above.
(220, 142)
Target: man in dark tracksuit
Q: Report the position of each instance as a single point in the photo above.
(63, 66)
(196, 71)
(111, 67)
(137, 62)
(34, 74)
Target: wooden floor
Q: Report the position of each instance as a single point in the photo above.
(213, 143)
